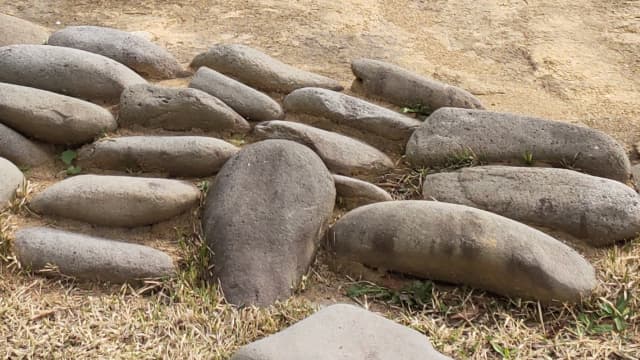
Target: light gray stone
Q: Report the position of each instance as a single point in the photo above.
(67, 71)
(86, 257)
(178, 109)
(635, 174)
(342, 154)
(401, 87)
(51, 117)
(507, 138)
(353, 192)
(127, 48)
(20, 150)
(116, 200)
(350, 111)
(248, 102)
(342, 332)
(14, 30)
(462, 245)
(10, 180)
(264, 218)
(185, 156)
(260, 70)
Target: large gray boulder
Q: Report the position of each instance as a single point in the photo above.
(184, 156)
(10, 180)
(264, 217)
(401, 87)
(67, 71)
(350, 111)
(462, 245)
(508, 138)
(127, 48)
(20, 150)
(260, 70)
(352, 192)
(177, 109)
(14, 30)
(86, 257)
(601, 211)
(342, 154)
(248, 102)
(342, 331)
(116, 200)
(52, 117)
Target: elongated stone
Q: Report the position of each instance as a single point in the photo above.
(10, 180)
(508, 138)
(260, 70)
(462, 245)
(353, 192)
(20, 150)
(14, 30)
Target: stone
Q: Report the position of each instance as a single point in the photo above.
(462, 245)
(248, 102)
(127, 48)
(342, 331)
(183, 156)
(118, 201)
(341, 154)
(10, 180)
(14, 31)
(67, 71)
(600, 211)
(635, 175)
(264, 217)
(350, 111)
(259, 70)
(352, 192)
(87, 257)
(20, 150)
(401, 87)
(178, 109)
(51, 117)
(508, 139)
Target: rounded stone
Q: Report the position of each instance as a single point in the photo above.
(14, 31)
(353, 192)
(10, 180)
(20, 150)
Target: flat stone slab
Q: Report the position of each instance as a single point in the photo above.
(508, 138)
(66, 71)
(247, 101)
(10, 180)
(401, 87)
(342, 331)
(353, 192)
(600, 211)
(184, 156)
(51, 117)
(86, 257)
(20, 150)
(264, 217)
(14, 30)
(462, 245)
(127, 48)
(260, 70)
(350, 111)
(341, 154)
(121, 201)
(178, 109)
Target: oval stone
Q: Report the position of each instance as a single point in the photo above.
(20, 150)
(353, 192)
(14, 30)
(10, 180)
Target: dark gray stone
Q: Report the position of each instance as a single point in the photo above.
(353, 192)
(10, 180)
(14, 30)
(20, 150)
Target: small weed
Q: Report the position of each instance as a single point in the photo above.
(419, 110)
(416, 293)
(527, 157)
(504, 351)
(462, 159)
(571, 163)
(68, 157)
(607, 318)
(204, 186)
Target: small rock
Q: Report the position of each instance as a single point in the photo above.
(132, 50)
(260, 70)
(351, 112)
(342, 154)
(342, 331)
(508, 138)
(116, 200)
(353, 193)
(14, 30)
(178, 109)
(67, 71)
(635, 175)
(248, 102)
(185, 156)
(404, 88)
(52, 118)
(90, 258)
(10, 180)
(462, 245)
(264, 217)
(20, 150)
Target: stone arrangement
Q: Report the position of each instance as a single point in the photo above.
(271, 203)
